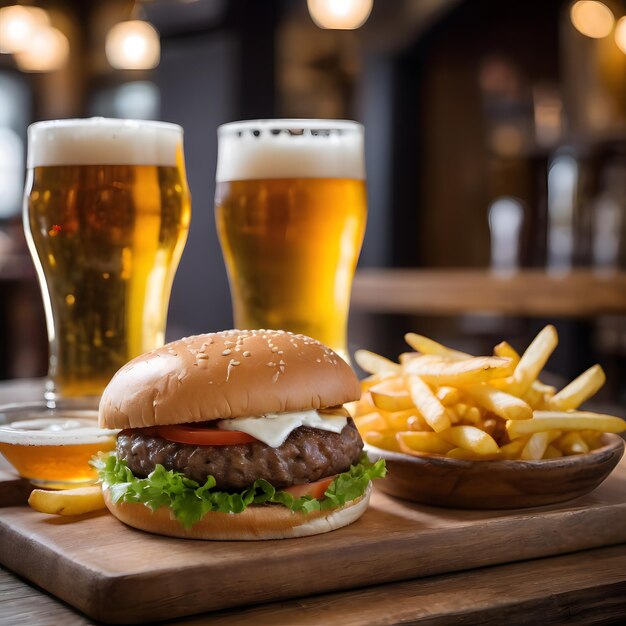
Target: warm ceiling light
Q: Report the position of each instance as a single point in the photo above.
(592, 18)
(48, 50)
(18, 25)
(340, 14)
(620, 34)
(133, 45)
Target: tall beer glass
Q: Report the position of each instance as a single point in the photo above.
(106, 215)
(291, 211)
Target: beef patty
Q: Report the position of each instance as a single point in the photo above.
(307, 455)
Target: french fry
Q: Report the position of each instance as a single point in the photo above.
(546, 390)
(470, 438)
(399, 420)
(422, 442)
(592, 438)
(385, 440)
(405, 357)
(391, 395)
(473, 415)
(574, 420)
(572, 443)
(533, 360)
(552, 452)
(428, 405)
(505, 349)
(579, 390)
(467, 455)
(537, 445)
(461, 373)
(67, 501)
(513, 449)
(448, 395)
(374, 379)
(460, 409)
(375, 363)
(428, 346)
(362, 406)
(535, 398)
(499, 402)
(371, 421)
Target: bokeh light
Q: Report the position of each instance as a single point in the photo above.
(48, 50)
(620, 34)
(340, 14)
(18, 24)
(591, 18)
(133, 45)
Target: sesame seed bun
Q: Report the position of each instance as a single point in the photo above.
(235, 373)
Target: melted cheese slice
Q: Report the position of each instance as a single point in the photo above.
(274, 428)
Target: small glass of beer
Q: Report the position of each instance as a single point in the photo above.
(106, 215)
(291, 211)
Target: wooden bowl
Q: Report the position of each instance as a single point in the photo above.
(440, 481)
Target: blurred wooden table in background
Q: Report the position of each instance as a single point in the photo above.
(528, 293)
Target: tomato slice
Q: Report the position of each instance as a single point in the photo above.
(202, 436)
(316, 489)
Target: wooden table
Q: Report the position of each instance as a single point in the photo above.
(531, 293)
(583, 588)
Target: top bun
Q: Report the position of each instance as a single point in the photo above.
(235, 373)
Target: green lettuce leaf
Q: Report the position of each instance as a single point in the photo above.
(190, 501)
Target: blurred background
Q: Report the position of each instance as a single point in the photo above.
(495, 149)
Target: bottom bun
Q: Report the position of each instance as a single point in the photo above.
(255, 523)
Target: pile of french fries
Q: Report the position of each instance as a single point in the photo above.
(439, 401)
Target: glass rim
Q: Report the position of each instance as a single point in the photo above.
(104, 122)
(290, 124)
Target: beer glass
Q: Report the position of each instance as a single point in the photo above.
(106, 215)
(291, 210)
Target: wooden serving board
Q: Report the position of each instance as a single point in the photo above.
(120, 575)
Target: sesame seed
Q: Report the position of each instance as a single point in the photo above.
(271, 364)
(226, 352)
(246, 353)
(274, 349)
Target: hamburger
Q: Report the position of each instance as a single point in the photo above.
(235, 435)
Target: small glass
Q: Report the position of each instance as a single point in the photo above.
(52, 447)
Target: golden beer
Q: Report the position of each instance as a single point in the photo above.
(106, 215)
(291, 213)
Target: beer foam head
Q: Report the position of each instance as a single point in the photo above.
(103, 141)
(290, 149)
